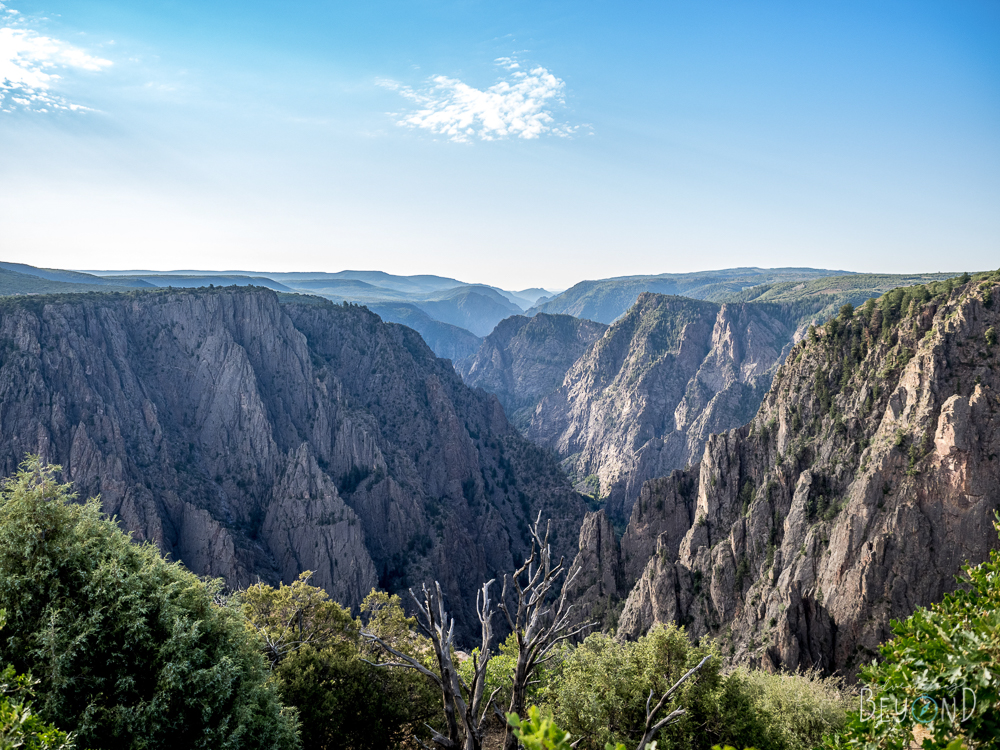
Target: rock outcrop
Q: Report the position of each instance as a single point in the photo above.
(866, 479)
(645, 397)
(525, 359)
(251, 439)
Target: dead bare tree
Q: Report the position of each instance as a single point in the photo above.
(538, 622)
(652, 726)
(464, 711)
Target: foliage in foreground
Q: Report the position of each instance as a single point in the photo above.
(940, 671)
(129, 651)
(322, 667)
(537, 732)
(20, 726)
(597, 691)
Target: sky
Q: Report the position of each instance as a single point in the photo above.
(518, 144)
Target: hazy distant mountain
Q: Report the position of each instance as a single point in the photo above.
(475, 307)
(33, 280)
(606, 300)
(73, 277)
(421, 284)
(534, 294)
(444, 339)
(194, 280)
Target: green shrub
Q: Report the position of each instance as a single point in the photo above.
(538, 732)
(344, 702)
(322, 669)
(129, 650)
(598, 690)
(782, 711)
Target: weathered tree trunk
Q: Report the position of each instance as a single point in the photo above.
(538, 623)
(463, 717)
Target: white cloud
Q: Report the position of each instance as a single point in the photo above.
(518, 106)
(29, 63)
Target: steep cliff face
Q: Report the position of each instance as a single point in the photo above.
(525, 359)
(645, 397)
(252, 439)
(868, 476)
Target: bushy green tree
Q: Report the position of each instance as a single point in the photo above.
(781, 711)
(940, 671)
(291, 617)
(20, 726)
(347, 704)
(322, 666)
(129, 650)
(599, 689)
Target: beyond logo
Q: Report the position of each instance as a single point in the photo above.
(922, 710)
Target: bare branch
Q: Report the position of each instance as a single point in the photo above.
(652, 728)
(489, 703)
(407, 660)
(540, 620)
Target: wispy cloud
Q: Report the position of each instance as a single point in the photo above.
(518, 106)
(29, 63)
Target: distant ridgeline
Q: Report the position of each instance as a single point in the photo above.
(452, 316)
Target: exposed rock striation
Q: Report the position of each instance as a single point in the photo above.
(645, 397)
(525, 359)
(253, 439)
(867, 478)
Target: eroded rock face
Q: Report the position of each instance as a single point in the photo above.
(645, 397)
(253, 439)
(868, 477)
(595, 577)
(525, 359)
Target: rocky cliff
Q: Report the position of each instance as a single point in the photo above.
(645, 397)
(253, 439)
(868, 476)
(525, 359)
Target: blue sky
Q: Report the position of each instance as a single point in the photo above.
(513, 143)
